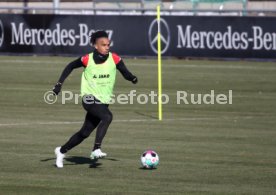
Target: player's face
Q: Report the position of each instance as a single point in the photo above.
(102, 45)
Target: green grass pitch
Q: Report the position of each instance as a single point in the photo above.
(203, 149)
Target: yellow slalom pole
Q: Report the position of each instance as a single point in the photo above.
(159, 65)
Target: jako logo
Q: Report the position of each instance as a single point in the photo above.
(1, 33)
(101, 76)
(165, 35)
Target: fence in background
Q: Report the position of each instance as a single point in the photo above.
(140, 7)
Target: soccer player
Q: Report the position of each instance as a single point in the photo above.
(98, 79)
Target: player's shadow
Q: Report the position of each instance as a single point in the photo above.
(84, 160)
(79, 160)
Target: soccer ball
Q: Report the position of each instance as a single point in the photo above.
(149, 159)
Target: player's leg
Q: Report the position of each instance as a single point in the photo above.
(100, 134)
(107, 117)
(102, 112)
(90, 123)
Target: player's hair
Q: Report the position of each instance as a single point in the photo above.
(96, 35)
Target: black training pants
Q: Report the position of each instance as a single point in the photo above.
(97, 114)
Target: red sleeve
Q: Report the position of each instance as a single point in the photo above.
(116, 58)
(85, 59)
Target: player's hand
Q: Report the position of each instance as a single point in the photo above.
(57, 88)
(134, 80)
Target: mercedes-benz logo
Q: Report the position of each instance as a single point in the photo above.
(165, 35)
(1, 33)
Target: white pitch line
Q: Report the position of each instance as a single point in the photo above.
(33, 61)
(79, 122)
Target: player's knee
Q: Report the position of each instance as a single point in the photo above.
(108, 118)
(84, 134)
